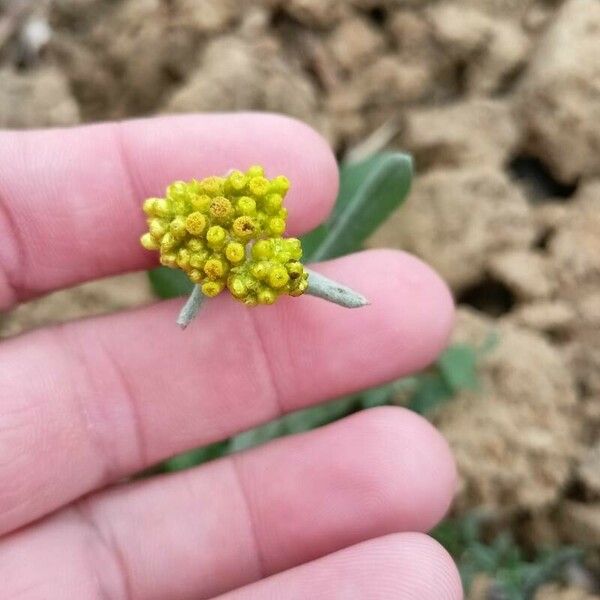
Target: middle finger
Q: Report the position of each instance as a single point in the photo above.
(91, 402)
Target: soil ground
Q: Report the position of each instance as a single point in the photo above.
(498, 100)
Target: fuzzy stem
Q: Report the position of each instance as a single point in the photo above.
(318, 285)
(191, 307)
(322, 287)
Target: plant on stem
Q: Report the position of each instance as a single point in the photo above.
(227, 233)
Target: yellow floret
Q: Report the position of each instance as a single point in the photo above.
(195, 223)
(278, 277)
(221, 208)
(276, 226)
(227, 232)
(215, 236)
(149, 242)
(244, 227)
(212, 288)
(235, 252)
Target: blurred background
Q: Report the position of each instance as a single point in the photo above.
(499, 103)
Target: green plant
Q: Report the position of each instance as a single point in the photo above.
(369, 191)
(226, 233)
(513, 574)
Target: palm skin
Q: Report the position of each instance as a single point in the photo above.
(334, 513)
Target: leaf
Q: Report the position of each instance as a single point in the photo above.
(432, 390)
(296, 422)
(458, 366)
(320, 415)
(258, 435)
(169, 283)
(369, 191)
(378, 396)
(311, 241)
(196, 457)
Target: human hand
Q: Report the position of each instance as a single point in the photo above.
(322, 515)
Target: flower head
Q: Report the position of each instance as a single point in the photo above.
(227, 232)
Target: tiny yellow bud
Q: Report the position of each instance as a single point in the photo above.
(276, 225)
(273, 203)
(259, 270)
(246, 205)
(183, 258)
(168, 259)
(237, 181)
(195, 223)
(177, 189)
(167, 242)
(259, 186)
(157, 228)
(280, 184)
(278, 277)
(214, 268)
(262, 250)
(220, 208)
(267, 296)
(213, 186)
(149, 242)
(149, 206)
(161, 208)
(196, 276)
(235, 252)
(198, 259)
(295, 270)
(177, 227)
(195, 245)
(193, 187)
(215, 236)
(212, 288)
(244, 227)
(201, 203)
(255, 171)
(237, 286)
(294, 247)
(283, 257)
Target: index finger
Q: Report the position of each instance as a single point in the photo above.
(70, 199)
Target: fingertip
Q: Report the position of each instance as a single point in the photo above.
(434, 572)
(411, 308)
(431, 303)
(415, 472)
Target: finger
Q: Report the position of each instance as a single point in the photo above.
(407, 566)
(70, 199)
(234, 521)
(93, 401)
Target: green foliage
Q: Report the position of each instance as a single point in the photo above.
(455, 370)
(514, 575)
(370, 191)
(169, 283)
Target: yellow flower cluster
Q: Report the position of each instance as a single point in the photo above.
(227, 232)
